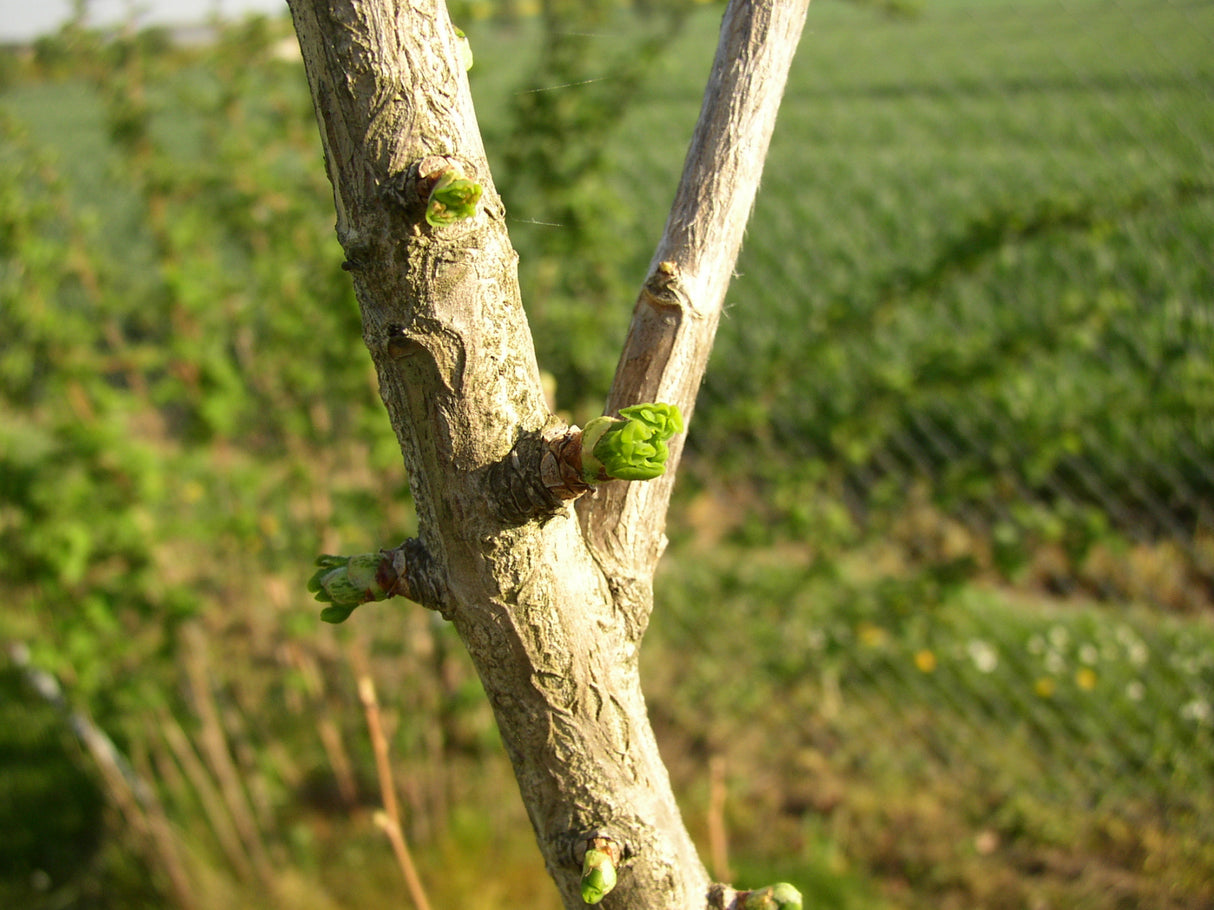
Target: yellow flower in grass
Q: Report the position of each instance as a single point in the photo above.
(1085, 678)
(1044, 687)
(925, 660)
(870, 634)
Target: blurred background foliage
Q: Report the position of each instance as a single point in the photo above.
(934, 625)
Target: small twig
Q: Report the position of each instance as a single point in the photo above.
(389, 818)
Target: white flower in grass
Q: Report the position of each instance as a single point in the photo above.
(1054, 662)
(1135, 690)
(1059, 637)
(983, 654)
(1188, 664)
(1088, 654)
(1137, 653)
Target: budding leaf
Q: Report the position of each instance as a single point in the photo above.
(335, 614)
(465, 49)
(598, 876)
(346, 582)
(781, 896)
(453, 199)
(631, 447)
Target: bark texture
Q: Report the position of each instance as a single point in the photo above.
(550, 602)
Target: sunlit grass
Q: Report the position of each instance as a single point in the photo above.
(1044, 723)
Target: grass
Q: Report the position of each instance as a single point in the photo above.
(943, 738)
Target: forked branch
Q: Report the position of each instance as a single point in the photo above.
(551, 606)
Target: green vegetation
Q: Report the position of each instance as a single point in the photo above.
(938, 593)
(961, 740)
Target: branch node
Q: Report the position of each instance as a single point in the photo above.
(525, 485)
(400, 345)
(561, 465)
(664, 291)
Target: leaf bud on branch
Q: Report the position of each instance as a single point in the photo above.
(631, 446)
(599, 868)
(347, 582)
(780, 896)
(453, 198)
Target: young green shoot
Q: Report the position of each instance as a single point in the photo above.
(631, 446)
(453, 199)
(465, 49)
(598, 873)
(347, 582)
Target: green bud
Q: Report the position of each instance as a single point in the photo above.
(453, 199)
(598, 876)
(631, 446)
(781, 896)
(346, 582)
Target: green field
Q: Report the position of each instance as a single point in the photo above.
(935, 617)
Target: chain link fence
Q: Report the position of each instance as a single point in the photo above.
(959, 429)
(981, 270)
(977, 278)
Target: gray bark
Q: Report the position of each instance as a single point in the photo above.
(550, 601)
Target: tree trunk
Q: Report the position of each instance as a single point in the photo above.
(550, 601)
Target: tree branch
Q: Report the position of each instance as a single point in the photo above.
(554, 632)
(679, 307)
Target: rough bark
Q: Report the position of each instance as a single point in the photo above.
(551, 603)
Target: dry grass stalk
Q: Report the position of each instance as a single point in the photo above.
(207, 794)
(389, 818)
(718, 837)
(215, 749)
